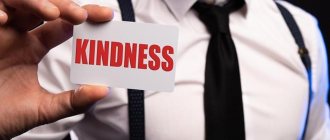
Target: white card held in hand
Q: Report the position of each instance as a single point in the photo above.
(125, 54)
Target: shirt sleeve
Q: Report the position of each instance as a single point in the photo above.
(319, 124)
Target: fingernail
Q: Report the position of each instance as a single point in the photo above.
(3, 17)
(107, 10)
(77, 90)
(113, 15)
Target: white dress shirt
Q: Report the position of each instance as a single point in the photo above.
(274, 79)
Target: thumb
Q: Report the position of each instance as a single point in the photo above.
(70, 103)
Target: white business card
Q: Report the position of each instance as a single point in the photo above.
(125, 54)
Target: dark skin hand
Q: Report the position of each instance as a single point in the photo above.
(24, 104)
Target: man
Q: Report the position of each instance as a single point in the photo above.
(23, 103)
(273, 78)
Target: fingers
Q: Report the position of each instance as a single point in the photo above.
(99, 13)
(41, 8)
(55, 32)
(26, 15)
(70, 103)
(70, 11)
(3, 17)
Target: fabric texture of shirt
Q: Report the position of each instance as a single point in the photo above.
(273, 77)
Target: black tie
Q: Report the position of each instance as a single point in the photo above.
(135, 97)
(223, 105)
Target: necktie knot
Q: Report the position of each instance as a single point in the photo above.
(216, 18)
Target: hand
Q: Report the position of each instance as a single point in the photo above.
(24, 40)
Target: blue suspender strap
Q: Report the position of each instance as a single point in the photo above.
(303, 52)
(127, 11)
(135, 97)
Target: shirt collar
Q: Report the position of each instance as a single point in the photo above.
(180, 7)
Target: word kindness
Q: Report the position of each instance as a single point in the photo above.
(124, 54)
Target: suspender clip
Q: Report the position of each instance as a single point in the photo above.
(302, 51)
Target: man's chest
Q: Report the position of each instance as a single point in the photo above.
(272, 76)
